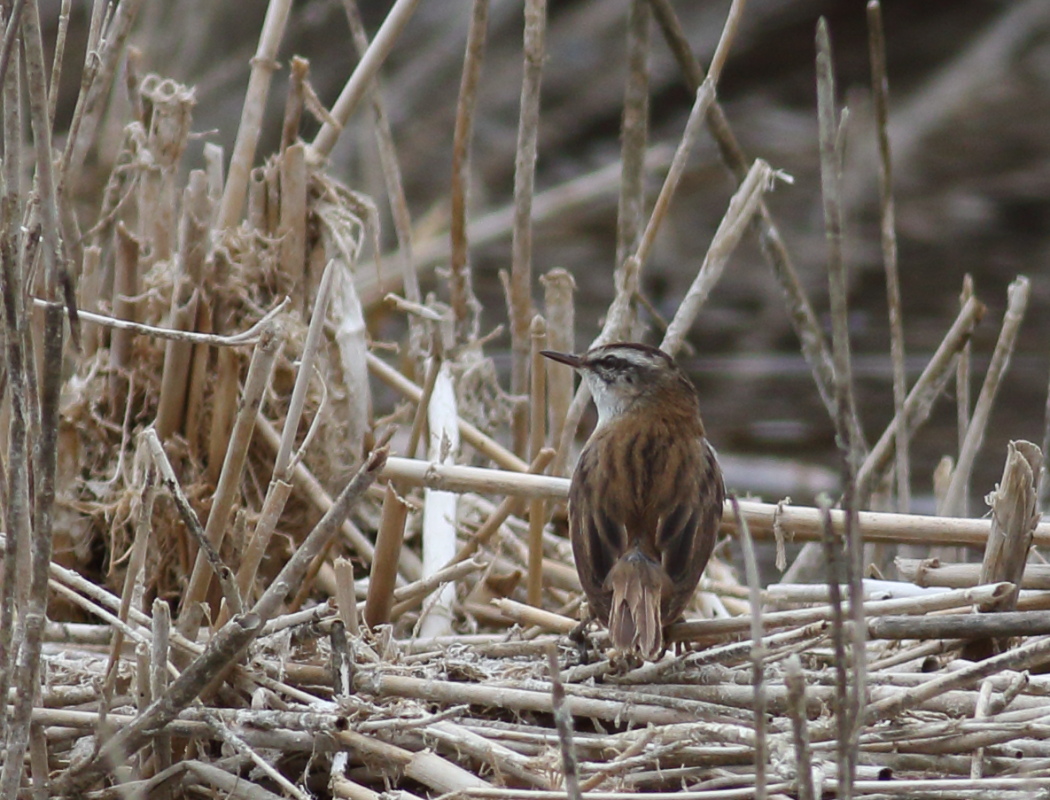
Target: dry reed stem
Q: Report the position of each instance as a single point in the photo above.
(207, 553)
(563, 724)
(440, 508)
(1016, 303)
(100, 69)
(465, 306)
(931, 572)
(921, 604)
(17, 353)
(125, 288)
(634, 133)
(27, 672)
(11, 38)
(250, 336)
(55, 78)
(159, 657)
(132, 578)
(961, 626)
(284, 459)
(291, 229)
(758, 652)
(45, 448)
(920, 399)
(962, 383)
(227, 489)
(797, 705)
(887, 228)
(519, 295)
(537, 435)
(264, 64)
(185, 297)
(361, 78)
(737, 219)
(298, 71)
(799, 523)
(1014, 517)
(384, 562)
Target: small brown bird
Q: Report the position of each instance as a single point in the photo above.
(646, 497)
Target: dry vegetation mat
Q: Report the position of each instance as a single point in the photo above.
(269, 534)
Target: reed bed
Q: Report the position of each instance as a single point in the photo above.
(255, 545)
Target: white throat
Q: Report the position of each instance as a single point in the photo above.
(610, 404)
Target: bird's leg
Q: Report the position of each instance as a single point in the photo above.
(578, 636)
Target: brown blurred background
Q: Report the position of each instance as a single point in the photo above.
(970, 114)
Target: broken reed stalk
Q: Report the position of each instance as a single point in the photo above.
(465, 307)
(208, 552)
(537, 435)
(887, 228)
(132, 578)
(291, 229)
(383, 574)
(758, 652)
(185, 297)
(159, 657)
(298, 71)
(1016, 303)
(228, 487)
(520, 293)
(264, 64)
(1014, 517)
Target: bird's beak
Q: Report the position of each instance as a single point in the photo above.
(564, 358)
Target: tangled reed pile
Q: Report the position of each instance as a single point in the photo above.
(295, 539)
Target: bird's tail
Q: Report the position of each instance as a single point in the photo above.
(638, 585)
